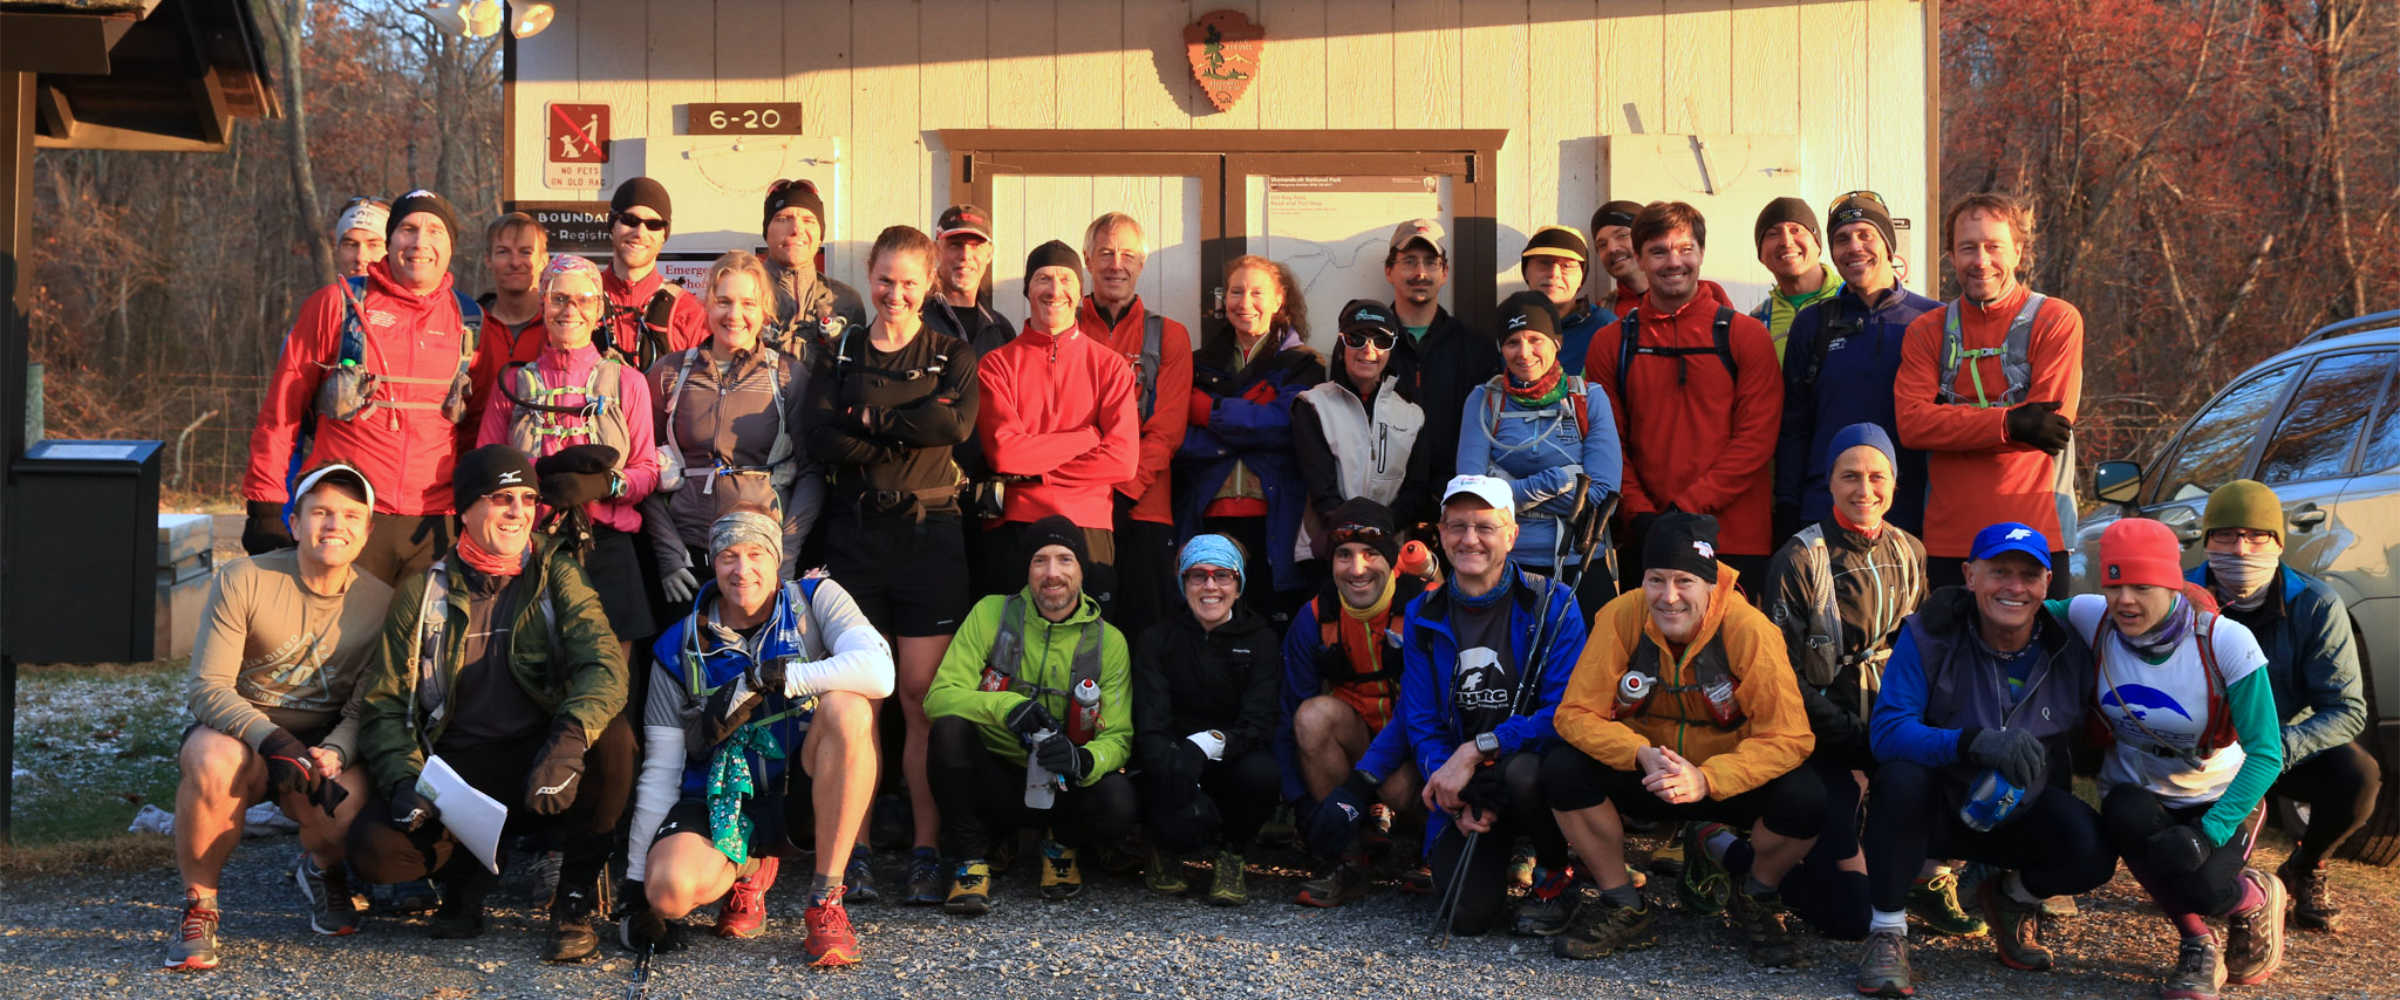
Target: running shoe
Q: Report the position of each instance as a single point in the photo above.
(831, 943)
(745, 912)
(330, 909)
(194, 946)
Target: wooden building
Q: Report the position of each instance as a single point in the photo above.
(1497, 117)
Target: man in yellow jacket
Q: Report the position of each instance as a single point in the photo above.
(1684, 707)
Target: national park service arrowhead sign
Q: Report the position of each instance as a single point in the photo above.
(1224, 46)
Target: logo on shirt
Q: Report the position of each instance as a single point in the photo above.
(2138, 701)
(377, 317)
(1481, 679)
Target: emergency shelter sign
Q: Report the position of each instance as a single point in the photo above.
(576, 146)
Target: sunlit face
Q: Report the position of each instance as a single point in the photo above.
(331, 525)
(502, 522)
(1116, 260)
(1051, 296)
(355, 249)
(1056, 577)
(737, 311)
(1678, 602)
(1477, 538)
(964, 259)
(1615, 246)
(746, 575)
(1789, 250)
(1984, 252)
(636, 247)
(1417, 275)
(2008, 588)
(420, 252)
(1360, 572)
(1861, 257)
(571, 308)
(1252, 298)
(1557, 278)
(1671, 262)
(1863, 484)
(898, 282)
(516, 258)
(1529, 354)
(2138, 607)
(1210, 590)
(793, 235)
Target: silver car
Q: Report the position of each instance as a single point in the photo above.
(2320, 423)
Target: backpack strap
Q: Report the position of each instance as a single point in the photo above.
(1824, 648)
(1839, 325)
(683, 373)
(1145, 371)
(1629, 346)
(2014, 352)
(1007, 655)
(352, 349)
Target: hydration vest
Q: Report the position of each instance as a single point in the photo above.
(2015, 354)
(762, 484)
(650, 327)
(791, 633)
(2219, 733)
(1711, 676)
(1629, 346)
(1007, 657)
(1822, 661)
(534, 422)
(348, 390)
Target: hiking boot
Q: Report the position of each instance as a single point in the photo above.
(1666, 861)
(416, 896)
(330, 910)
(1230, 885)
(831, 943)
(461, 913)
(1114, 859)
(2254, 936)
(1520, 868)
(1883, 970)
(193, 948)
(1704, 886)
(1062, 878)
(858, 880)
(970, 889)
(924, 877)
(744, 914)
(1550, 905)
(1163, 874)
(545, 876)
(1603, 929)
(1376, 833)
(1417, 880)
(2016, 927)
(1934, 902)
(1762, 923)
(1280, 829)
(2312, 903)
(2199, 971)
(571, 935)
(1346, 883)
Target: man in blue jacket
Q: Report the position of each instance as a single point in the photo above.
(1838, 364)
(2312, 664)
(1985, 688)
(1477, 690)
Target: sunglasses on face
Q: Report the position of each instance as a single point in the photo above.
(568, 300)
(632, 221)
(1359, 339)
(1220, 577)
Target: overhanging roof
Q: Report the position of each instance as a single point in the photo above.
(138, 74)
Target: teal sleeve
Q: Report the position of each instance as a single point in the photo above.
(2058, 608)
(2261, 735)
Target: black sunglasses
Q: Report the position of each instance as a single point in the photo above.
(632, 221)
(1359, 339)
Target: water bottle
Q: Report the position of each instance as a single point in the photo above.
(1991, 800)
(1633, 691)
(1041, 786)
(1083, 717)
(993, 680)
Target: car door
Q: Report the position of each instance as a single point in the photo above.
(2310, 456)
(2216, 448)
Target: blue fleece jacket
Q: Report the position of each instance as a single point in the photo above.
(1853, 386)
(1539, 453)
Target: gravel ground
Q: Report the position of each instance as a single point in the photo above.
(103, 936)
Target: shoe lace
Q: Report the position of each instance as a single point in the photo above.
(922, 869)
(2195, 959)
(967, 879)
(828, 917)
(1885, 952)
(198, 921)
(1061, 864)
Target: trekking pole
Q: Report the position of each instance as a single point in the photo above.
(639, 989)
(1447, 909)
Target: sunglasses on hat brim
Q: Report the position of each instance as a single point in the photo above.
(1363, 534)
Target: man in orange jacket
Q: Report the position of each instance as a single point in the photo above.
(1989, 384)
(1684, 707)
(1113, 315)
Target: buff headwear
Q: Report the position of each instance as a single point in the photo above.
(567, 263)
(366, 214)
(746, 527)
(1212, 550)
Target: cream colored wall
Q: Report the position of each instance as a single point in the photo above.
(1560, 75)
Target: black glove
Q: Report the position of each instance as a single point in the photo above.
(639, 926)
(1188, 760)
(1029, 718)
(2179, 848)
(772, 676)
(1060, 756)
(1485, 791)
(574, 489)
(2040, 425)
(730, 708)
(289, 767)
(265, 530)
(2018, 754)
(550, 786)
(411, 811)
(583, 458)
(329, 796)
(1335, 819)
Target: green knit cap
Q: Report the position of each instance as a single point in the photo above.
(2244, 503)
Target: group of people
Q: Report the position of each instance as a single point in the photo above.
(645, 563)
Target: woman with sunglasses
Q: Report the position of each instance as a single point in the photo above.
(586, 419)
(1204, 718)
(1355, 434)
(1539, 428)
(1236, 470)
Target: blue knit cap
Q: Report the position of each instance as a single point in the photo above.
(1871, 435)
(1213, 550)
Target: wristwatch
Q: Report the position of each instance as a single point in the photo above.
(1487, 744)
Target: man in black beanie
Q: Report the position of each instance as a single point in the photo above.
(648, 315)
(1790, 244)
(810, 309)
(543, 736)
(1016, 739)
(1612, 250)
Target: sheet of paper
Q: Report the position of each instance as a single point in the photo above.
(473, 817)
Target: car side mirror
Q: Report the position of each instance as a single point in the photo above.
(2117, 482)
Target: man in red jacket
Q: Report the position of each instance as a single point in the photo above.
(1697, 396)
(403, 428)
(1613, 249)
(1114, 249)
(1989, 384)
(517, 248)
(1059, 409)
(647, 314)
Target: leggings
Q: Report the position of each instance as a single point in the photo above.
(584, 833)
(2053, 840)
(1240, 792)
(2339, 785)
(1832, 900)
(1526, 813)
(1791, 805)
(2132, 814)
(975, 789)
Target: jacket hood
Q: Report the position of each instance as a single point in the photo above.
(380, 279)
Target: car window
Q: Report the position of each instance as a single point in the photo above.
(2216, 441)
(2313, 441)
(2383, 437)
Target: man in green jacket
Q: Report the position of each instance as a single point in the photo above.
(516, 682)
(1032, 717)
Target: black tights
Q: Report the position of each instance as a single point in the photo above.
(1526, 813)
(2339, 785)
(584, 833)
(2053, 840)
(1243, 791)
(975, 787)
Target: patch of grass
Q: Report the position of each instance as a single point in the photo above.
(95, 742)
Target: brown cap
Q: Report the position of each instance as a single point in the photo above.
(1420, 229)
